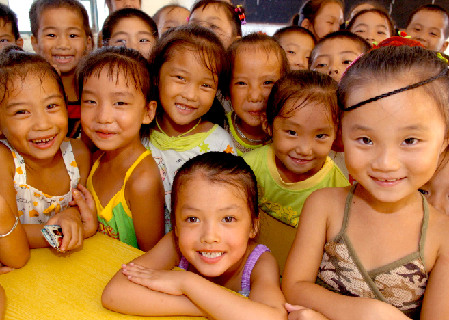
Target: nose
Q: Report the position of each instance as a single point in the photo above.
(386, 160)
(255, 93)
(42, 121)
(304, 147)
(210, 233)
(190, 92)
(302, 63)
(104, 113)
(63, 42)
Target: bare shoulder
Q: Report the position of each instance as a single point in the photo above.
(266, 266)
(82, 157)
(7, 161)
(145, 176)
(436, 237)
(327, 200)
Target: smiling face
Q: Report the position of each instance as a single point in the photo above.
(428, 28)
(61, 38)
(171, 18)
(112, 110)
(333, 56)
(371, 26)
(254, 72)
(214, 18)
(133, 33)
(186, 89)
(328, 19)
(212, 235)
(302, 139)
(33, 116)
(392, 145)
(297, 47)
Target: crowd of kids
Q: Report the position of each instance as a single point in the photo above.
(318, 156)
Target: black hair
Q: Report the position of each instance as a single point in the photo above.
(40, 6)
(380, 12)
(375, 4)
(109, 4)
(293, 29)
(114, 18)
(255, 41)
(305, 86)
(342, 34)
(229, 10)
(418, 67)
(170, 7)
(435, 8)
(8, 16)
(222, 168)
(18, 64)
(310, 9)
(208, 49)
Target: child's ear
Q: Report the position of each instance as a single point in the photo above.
(444, 145)
(264, 122)
(19, 42)
(150, 112)
(90, 45)
(34, 44)
(255, 228)
(306, 24)
(444, 47)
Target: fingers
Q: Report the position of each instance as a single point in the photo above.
(5, 269)
(290, 307)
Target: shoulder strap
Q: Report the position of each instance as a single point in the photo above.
(134, 165)
(249, 266)
(348, 203)
(184, 264)
(425, 221)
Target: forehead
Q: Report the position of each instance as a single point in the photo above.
(131, 25)
(257, 56)
(60, 18)
(210, 12)
(188, 59)
(175, 13)
(312, 114)
(331, 9)
(371, 18)
(297, 38)
(115, 76)
(5, 27)
(430, 18)
(32, 81)
(338, 46)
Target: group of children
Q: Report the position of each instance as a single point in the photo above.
(211, 151)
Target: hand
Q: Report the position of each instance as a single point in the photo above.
(296, 312)
(5, 269)
(72, 228)
(86, 205)
(165, 281)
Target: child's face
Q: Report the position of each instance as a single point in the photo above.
(120, 4)
(214, 18)
(372, 27)
(112, 110)
(297, 47)
(33, 116)
(133, 33)
(7, 36)
(254, 73)
(186, 87)
(302, 139)
(61, 39)
(213, 226)
(172, 18)
(437, 189)
(334, 56)
(428, 28)
(392, 145)
(328, 19)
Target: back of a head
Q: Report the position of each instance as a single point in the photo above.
(114, 18)
(115, 60)
(432, 8)
(18, 64)
(40, 6)
(342, 34)
(227, 8)
(8, 16)
(409, 65)
(306, 86)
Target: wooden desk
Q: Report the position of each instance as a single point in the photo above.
(56, 286)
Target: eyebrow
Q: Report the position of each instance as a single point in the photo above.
(414, 127)
(115, 93)
(15, 104)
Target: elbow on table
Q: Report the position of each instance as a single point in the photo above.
(18, 261)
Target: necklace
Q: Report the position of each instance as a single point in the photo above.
(241, 133)
(182, 134)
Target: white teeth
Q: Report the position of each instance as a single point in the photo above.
(42, 140)
(388, 180)
(182, 107)
(211, 254)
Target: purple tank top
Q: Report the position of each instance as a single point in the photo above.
(249, 266)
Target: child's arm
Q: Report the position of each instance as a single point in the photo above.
(435, 304)
(265, 301)
(144, 194)
(126, 297)
(305, 258)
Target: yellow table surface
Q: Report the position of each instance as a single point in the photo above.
(67, 286)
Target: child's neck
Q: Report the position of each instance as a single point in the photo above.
(250, 134)
(68, 81)
(123, 157)
(172, 129)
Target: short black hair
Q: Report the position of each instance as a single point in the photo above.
(170, 7)
(8, 16)
(435, 8)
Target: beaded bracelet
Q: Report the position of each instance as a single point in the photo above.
(12, 229)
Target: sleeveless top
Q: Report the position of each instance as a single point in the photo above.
(249, 266)
(115, 219)
(33, 205)
(400, 283)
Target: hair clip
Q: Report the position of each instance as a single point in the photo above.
(403, 34)
(439, 55)
(241, 13)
